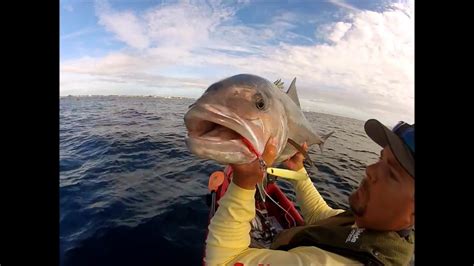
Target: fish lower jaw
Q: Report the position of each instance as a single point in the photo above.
(222, 151)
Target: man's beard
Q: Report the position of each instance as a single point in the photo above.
(359, 208)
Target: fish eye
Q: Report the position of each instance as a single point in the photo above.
(260, 103)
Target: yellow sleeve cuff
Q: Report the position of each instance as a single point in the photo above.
(240, 193)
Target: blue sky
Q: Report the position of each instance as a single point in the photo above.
(350, 58)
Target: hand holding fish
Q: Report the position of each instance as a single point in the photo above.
(248, 175)
(295, 163)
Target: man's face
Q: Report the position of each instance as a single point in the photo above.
(385, 198)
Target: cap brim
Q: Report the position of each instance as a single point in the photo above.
(385, 137)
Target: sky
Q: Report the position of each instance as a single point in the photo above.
(350, 58)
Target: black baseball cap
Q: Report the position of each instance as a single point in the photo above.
(401, 139)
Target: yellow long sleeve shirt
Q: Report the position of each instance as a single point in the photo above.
(228, 238)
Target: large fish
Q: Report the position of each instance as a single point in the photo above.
(240, 113)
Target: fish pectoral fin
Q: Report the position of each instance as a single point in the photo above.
(301, 150)
(324, 138)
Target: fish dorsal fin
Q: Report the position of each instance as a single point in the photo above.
(292, 93)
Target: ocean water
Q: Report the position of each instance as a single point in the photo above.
(132, 194)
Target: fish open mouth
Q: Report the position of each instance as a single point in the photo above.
(211, 124)
(218, 134)
(208, 130)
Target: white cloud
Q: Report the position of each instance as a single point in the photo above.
(115, 63)
(338, 31)
(366, 64)
(129, 84)
(343, 4)
(125, 25)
